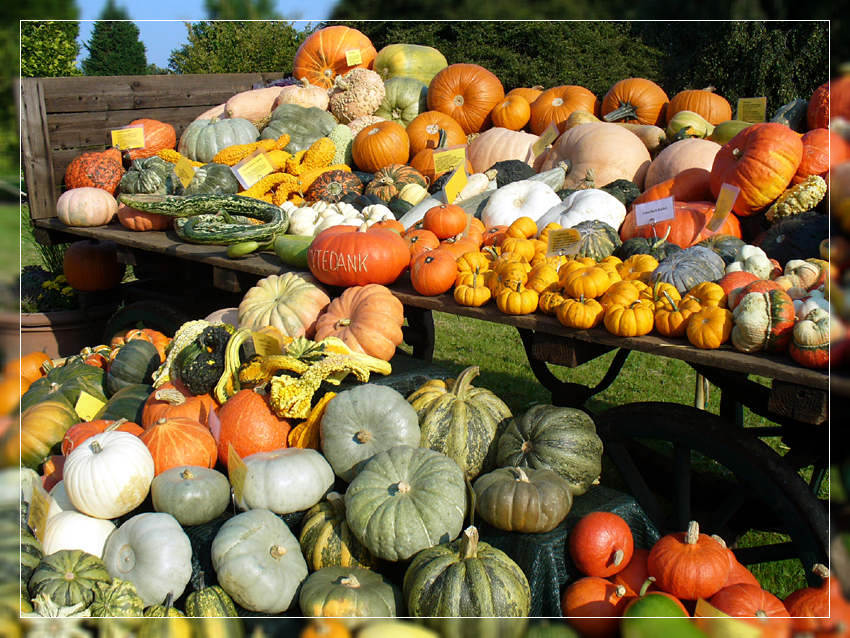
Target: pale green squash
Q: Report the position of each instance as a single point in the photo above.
(304, 125)
(202, 139)
(409, 60)
(404, 99)
(350, 592)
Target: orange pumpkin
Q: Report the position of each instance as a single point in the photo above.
(601, 544)
(323, 55)
(511, 113)
(167, 402)
(555, 105)
(249, 425)
(636, 101)
(91, 265)
(379, 145)
(713, 107)
(27, 367)
(691, 185)
(466, 92)
(348, 256)
(747, 601)
(457, 246)
(687, 227)
(102, 169)
(159, 340)
(158, 136)
(594, 605)
(445, 220)
(140, 220)
(822, 149)
(424, 131)
(529, 93)
(634, 574)
(419, 240)
(11, 391)
(390, 224)
(433, 272)
(494, 235)
(423, 162)
(179, 441)
(829, 100)
(709, 328)
(689, 565)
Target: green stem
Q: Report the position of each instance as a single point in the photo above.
(464, 381)
(469, 543)
(625, 111)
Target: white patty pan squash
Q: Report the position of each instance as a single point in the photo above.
(258, 561)
(285, 481)
(525, 198)
(585, 205)
(72, 530)
(751, 259)
(152, 551)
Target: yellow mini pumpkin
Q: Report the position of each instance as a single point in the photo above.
(636, 266)
(523, 248)
(465, 277)
(517, 300)
(522, 227)
(710, 327)
(656, 293)
(475, 293)
(541, 276)
(580, 313)
(544, 233)
(550, 300)
(588, 282)
(472, 260)
(633, 320)
(672, 315)
(708, 293)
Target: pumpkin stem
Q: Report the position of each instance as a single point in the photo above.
(491, 174)
(464, 381)
(619, 555)
(187, 474)
(661, 240)
(736, 153)
(692, 535)
(96, 447)
(620, 591)
(363, 436)
(402, 487)
(625, 111)
(115, 425)
(670, 300)
(760, 613)
(567, 166)
(527, 446)
(277, 551)
(821, 570)
(522, 476)
(172, 396)
(350, 581)
(342, 323)
(720, 541)
(441, 138)
(469, 543)
(646, 585)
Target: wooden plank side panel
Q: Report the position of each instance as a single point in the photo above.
(35, 142)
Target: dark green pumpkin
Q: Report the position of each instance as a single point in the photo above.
(210, 179)
(438, 184)
(508, 171)
(657, 247)
(16, 553)
(389, 181)
(560, 439)
(461, 421)
(398, 206)
(118, 598)
(793, 115)
(466, 578)
(327, 541)
(796, 237)
(64, 383)
(332, 186)
(210, 602)
(690, 267)
(304, 125)
(165, 610)
(148, 175)
(135, 362)
(724, 245)
(68, 577)
(598, 239)
(127, 403)
(624, 190)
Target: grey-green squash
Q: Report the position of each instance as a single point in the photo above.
(118, 598)
(689, 267)
(192, 494)
(363, 421)
(793, 115)
(148, 175)
(466, 578)
(68, 577)
(724, 245)
(404, 99)
(202, 139)
(405, 500)
(304, 125)
(598, 239)
(560, 439)
(327, 541)
(210, 602)
(134, 363)
(127, 403)
(351, 592)
(210, 179)
(460, 420)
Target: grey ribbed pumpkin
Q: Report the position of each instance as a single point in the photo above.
(149, 175)
(688, 268)
(202, 139)
(466, 578)
(327, 541)
(405, 500)
(460, 420)
(598, 239)
(560, 439)
(350, 592)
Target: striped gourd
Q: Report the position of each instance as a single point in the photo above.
(460, 420)
(326, 539)
(165, 610)
(68, 577)
(559, 439)
(210, 602)
(116, 599)
(28, 551)
(466, 578)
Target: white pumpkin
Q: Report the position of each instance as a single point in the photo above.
(303, 221)
(585, 205)
(814, 299)
(108, 475)
(376, 213)
(415, 214)
(524, 198)
(86, 206)
(60, 501)
(72, 530)
(152, 551)
(751, 259)
(285, 481)
(303, 94)
(290, 302)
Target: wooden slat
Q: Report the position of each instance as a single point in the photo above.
(35, 142)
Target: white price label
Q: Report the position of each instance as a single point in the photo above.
(649, 213)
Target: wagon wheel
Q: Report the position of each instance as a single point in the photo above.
(658, 449)
(151, 314)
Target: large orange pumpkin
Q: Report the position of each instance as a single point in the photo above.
(689, 565)
(348, 256)
(323, 55)
(691, 185)
(831, 99)
(379, 145)
(822, 149)
(681, 155)
(555, 105)
(761, 160)
(466, 92)
(91, 265)
(635, 100)
(511, 113)
(249, 425)
(424, 131)
(713, 107)
(686, 228)
(158, 136)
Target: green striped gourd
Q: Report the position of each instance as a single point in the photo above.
(68, 577)
(349, 591)
(116, 599)
(165, 610)
(327, 541)
(210, 602)
(465, 578)
(460, 420)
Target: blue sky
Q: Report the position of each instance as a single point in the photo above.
(165, 30)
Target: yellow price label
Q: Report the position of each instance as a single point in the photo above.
(128, 137)
(252, 169)
(456, 183)
(353, 57)
(564, 241)
(185, 171)
(87, 406)
(725, 201)
(236, 472)
(549, 135)
(39, 510)
(450, 159)
(752, 109)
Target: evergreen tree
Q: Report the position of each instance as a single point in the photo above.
(114, 47)
(241, 10)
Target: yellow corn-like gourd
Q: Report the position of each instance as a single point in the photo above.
(282, 193)
(232, 155)
(310, 176)
(266, 184)
(278, 159)
(319, 155)
(171, 155)
(294, 162)
(296, 199)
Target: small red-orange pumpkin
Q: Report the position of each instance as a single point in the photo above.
(249, 425)
(433, 272)
(91, 265)
(179, 441)
(689, 565)
(601, 544)
(140, 220)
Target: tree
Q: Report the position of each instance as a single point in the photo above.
(241, 10)
(114, 47)
(237, 47)
(49, 49)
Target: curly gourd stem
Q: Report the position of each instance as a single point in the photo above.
(625, 111)
(646, 585)
(671, 300)
(115, 425)
(692, 535)
(172, 396)
(720, 540)
(464, 381)
(469, 543)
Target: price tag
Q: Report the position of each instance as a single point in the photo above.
(549, 135)
(716, 624)
(87, 406)
(455, 185)
(725, 201)
(252, 169)
(660, 210)
(39, 510)
(564, 241)
(353, 57)
(450, 159)
(265, 345)
(236, 472)
(184, 171)
(752, 109)
(129, 136)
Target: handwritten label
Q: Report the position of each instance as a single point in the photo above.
(353, 57)
(265, 345)
(455, 185)
(654, 212)
(752, 109)
(129, 136)
(39, 510)
(725, 201)
(716, 624)
(549, 135)
(450, 159)
(564, 241)
(252, 169)
(236, 472)
(185, 171)
(87, 406)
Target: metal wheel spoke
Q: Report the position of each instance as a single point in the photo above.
(632, 476)
(682, 484)
(725, 510)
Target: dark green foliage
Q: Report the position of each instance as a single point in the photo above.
(241, 10)
(49, 49)
(511, 171)
(200, 365)
(237, 47)
(114, 47)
